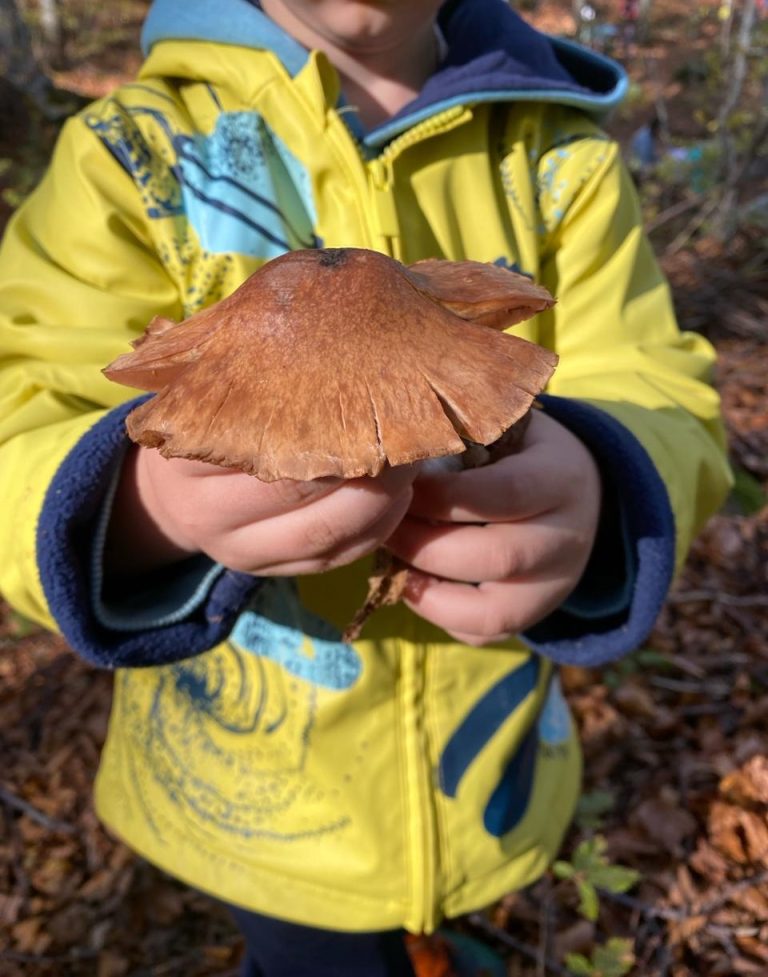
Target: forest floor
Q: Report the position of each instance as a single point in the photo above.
(675, 737)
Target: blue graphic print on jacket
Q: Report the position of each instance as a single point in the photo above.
(247, 707)
(509, 801)
(239, 187)
(244, 191)
(278, 627)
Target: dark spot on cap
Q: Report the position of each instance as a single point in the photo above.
(332, 257)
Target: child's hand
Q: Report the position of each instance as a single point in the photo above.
(167, 509)
(502, 546)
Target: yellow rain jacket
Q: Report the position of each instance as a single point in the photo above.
(253, 754)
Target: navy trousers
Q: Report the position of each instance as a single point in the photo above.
(278, 949)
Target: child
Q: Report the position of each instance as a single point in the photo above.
(338, 794)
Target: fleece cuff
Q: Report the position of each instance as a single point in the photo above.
(194, 605)
(157, 598)
(616, 603)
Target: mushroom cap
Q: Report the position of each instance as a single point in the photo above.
(492, 295)
(334, 362)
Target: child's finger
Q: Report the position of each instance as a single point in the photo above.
(356, 516)
(349, 551)
(487, 612)
(498, 551)
(517, 487)
(246, 499)
(551, 469)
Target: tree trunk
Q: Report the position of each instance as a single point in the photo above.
(726, 12)
(644, 20)
(52, 30)
(576, 6)
(24, 85)
(733, 165)
(19, 67)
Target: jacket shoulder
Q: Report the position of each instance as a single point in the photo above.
(544, 126)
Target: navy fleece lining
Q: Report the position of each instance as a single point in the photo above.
(65, 535)
(578, 633)
(156, 599)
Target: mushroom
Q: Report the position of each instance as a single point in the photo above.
(337, 362)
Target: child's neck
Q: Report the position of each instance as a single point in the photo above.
(379, 92)
(376, 95)
(378, 77)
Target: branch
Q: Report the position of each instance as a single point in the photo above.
(697, 221)
(669, 914)
(739, 71)
(10, 799)
(480, 922)
(731, 600)
(670, 213)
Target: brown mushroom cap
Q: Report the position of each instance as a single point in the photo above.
(489, 294)
(333, 362)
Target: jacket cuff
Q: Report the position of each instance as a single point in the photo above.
(194, 605)
(616, 603)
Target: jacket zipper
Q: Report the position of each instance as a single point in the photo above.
(421, 827)
(384, 227)
(420, 815)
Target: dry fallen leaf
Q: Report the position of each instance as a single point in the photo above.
(748, 785)
(668, 825)
(739, 834)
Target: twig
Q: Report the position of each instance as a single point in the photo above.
(545, 918)
(717, 597)
(16, 956)
(697, 221)
(687, 912)
(17, 866)
(732, 889)
(688, 667)
(53, 824)
(480, 922)
(670, 213)
(708, 709)
(654, 912)
(713, 688)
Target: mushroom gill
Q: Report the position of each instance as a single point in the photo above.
(338, 361)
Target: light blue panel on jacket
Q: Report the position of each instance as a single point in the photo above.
(243, 191)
